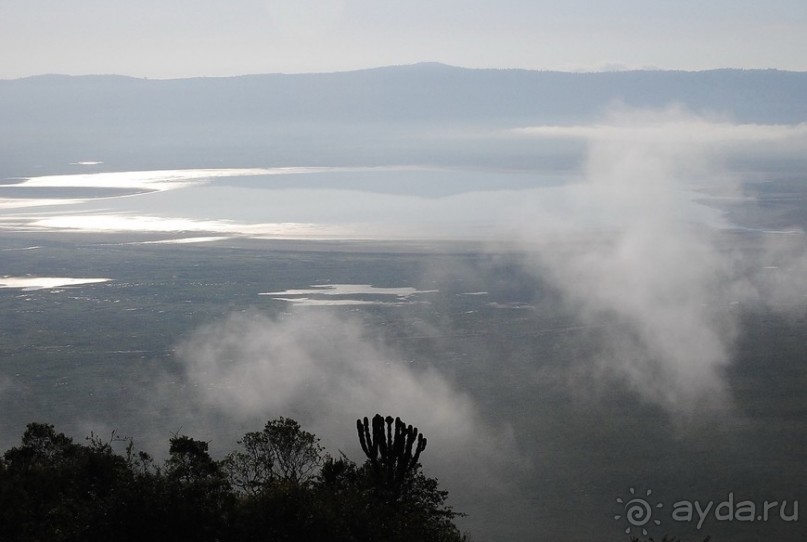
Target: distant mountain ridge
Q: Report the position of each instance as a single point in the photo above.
(419, 114)
(428, 92)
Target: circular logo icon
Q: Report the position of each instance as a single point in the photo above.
(637, 511)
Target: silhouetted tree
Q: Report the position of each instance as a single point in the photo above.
(393, 451)
(54, 489)
(189, 460)
(197, 491)
(283, 451)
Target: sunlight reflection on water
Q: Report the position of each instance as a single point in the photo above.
(310, 203)
(42, 283)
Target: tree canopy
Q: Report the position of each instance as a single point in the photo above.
(278, 484)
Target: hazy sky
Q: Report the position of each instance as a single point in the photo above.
(180, 38)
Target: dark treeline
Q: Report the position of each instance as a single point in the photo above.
(278, 484)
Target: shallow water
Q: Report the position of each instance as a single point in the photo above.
(308, 203)
(42, 283)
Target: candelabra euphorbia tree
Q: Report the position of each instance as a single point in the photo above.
(393, 449)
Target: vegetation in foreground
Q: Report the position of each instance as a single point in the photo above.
(279, 484)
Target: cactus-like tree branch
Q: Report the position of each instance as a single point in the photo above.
(393, 449)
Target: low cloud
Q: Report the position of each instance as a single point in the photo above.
(673, 125)
(777, 277)
(328, 370)
(656, 272)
